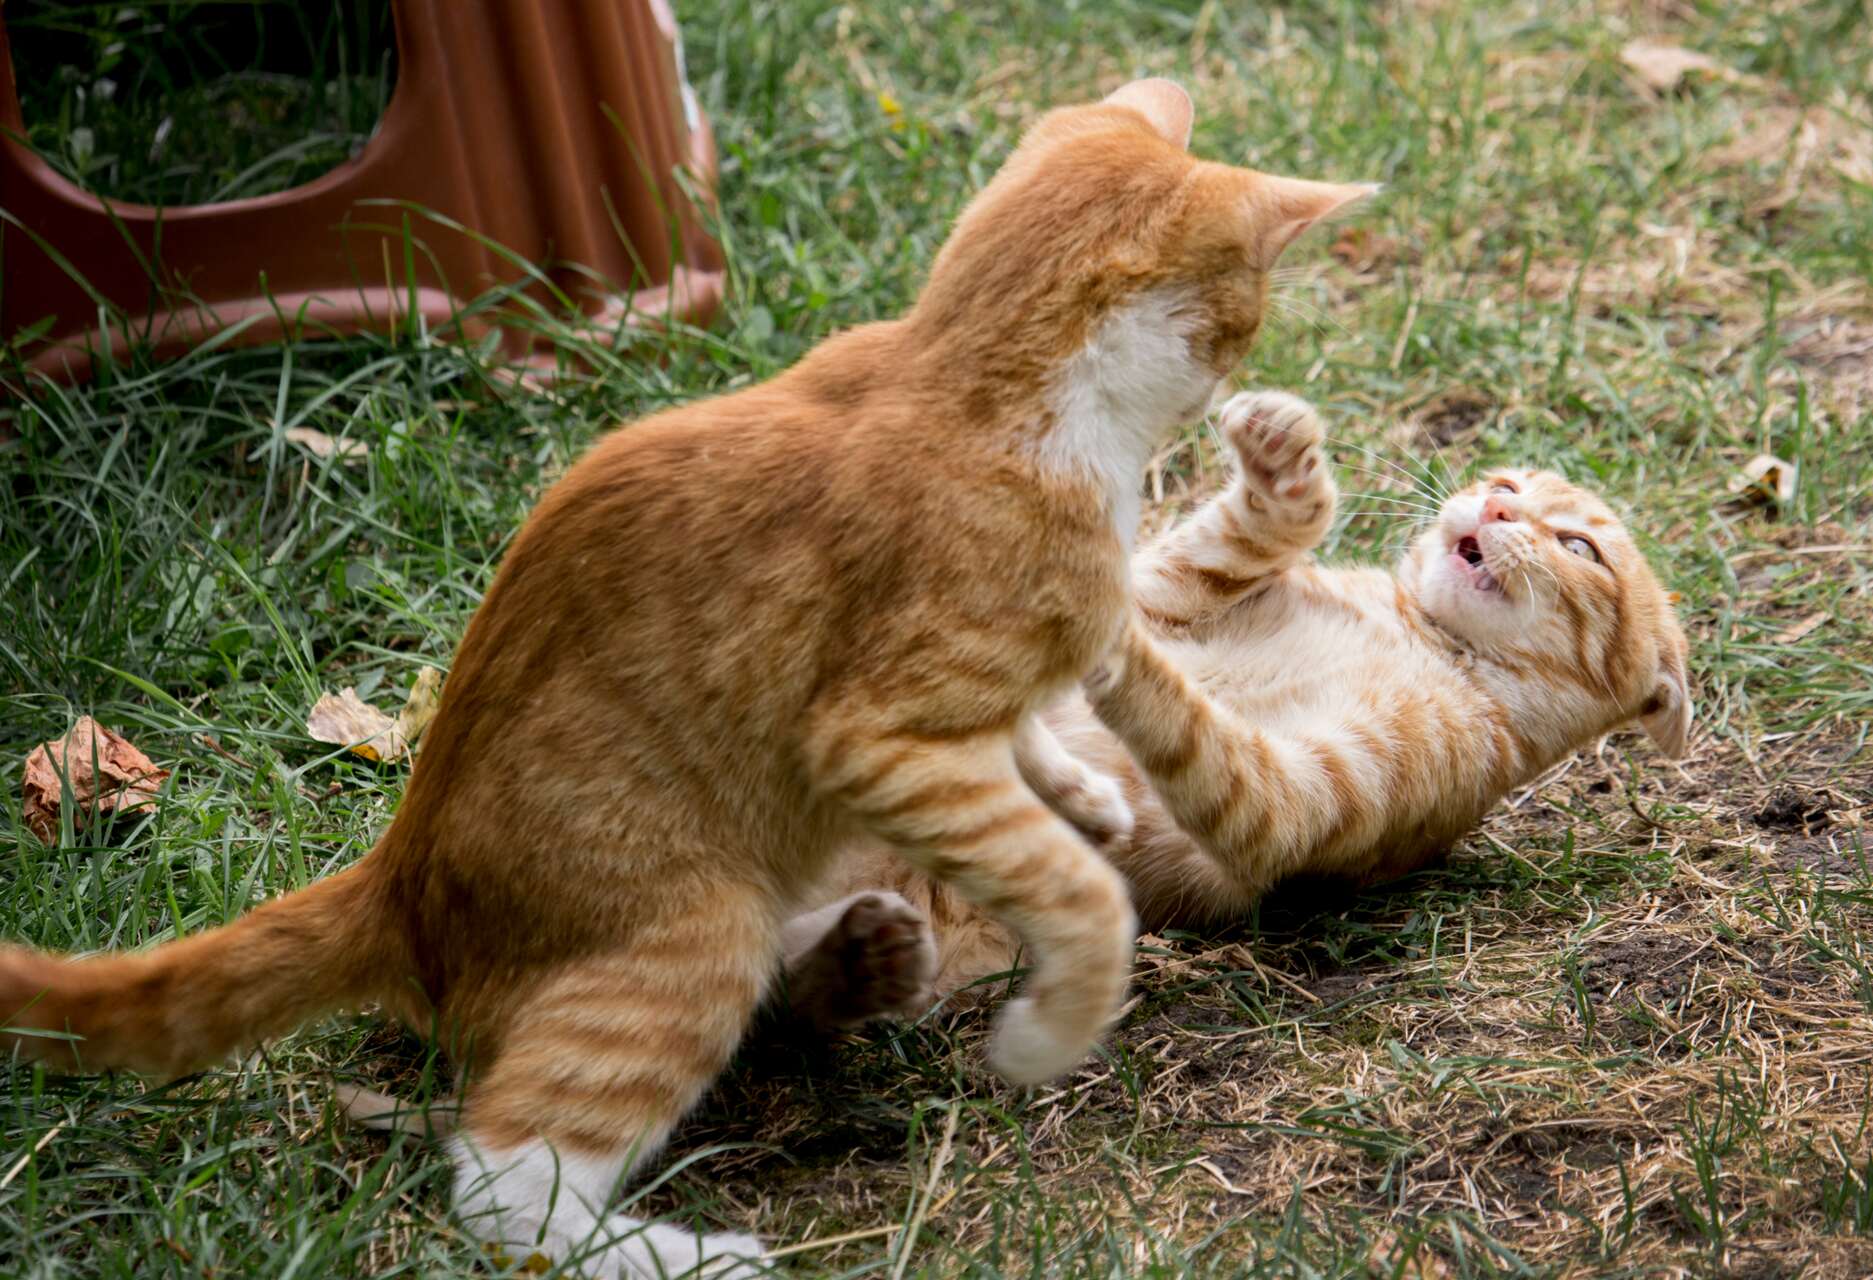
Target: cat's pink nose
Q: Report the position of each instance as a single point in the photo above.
(1494, 509)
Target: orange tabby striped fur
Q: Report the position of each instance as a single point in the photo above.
(731, 638)
(1268, 717)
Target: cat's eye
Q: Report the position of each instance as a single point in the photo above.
(1581, 547)
(1503, 486)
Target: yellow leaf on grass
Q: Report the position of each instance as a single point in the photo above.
(1766, 477)
(346, 720)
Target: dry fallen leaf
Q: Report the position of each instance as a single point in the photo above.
(1765, 477)
(346, 720)
(320, 445)
(1662, 66)
(1802, 630)
(104, 773)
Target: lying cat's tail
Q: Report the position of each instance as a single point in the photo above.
(190, 1003)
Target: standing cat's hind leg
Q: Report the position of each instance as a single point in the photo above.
(603, 1057)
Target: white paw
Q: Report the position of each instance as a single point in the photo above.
(1026, 1051)
(1277, 438)
(1097, 808)
(1104, 676)
(660, 1251)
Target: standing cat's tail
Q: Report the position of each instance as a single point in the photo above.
(190, 1003)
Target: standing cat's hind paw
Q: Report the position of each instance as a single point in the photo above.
(889, 952)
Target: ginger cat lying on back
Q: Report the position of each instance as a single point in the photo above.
(1291, 719)
(821, 606)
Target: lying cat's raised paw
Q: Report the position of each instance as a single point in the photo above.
(1277, 438)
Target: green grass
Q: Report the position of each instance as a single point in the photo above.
(1627, 1029)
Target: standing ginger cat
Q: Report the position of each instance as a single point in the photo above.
(729, 639)
(1291, 719)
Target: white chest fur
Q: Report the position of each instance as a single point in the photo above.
(1116, 398)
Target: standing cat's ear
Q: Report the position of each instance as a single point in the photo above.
(1281, 208)
(1667, 713)
(1164, 105)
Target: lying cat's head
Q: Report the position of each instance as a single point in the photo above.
(1537, 572)
(1103, 240)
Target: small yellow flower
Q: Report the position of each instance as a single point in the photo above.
(889, 105)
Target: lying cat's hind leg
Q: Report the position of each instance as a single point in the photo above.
(597, 1067)
(869, 955)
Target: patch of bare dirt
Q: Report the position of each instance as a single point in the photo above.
(1792, 808)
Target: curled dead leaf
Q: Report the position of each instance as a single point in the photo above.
(1662, 66)
(1765, 478)
(1800, 631)
(98, 769)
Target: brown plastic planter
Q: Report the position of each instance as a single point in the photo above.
(498, 122)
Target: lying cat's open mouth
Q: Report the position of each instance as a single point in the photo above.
(1469, 552)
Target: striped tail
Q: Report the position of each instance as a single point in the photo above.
(191, 1003)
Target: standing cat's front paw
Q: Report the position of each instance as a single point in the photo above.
(1096, 807)
(1278, 441)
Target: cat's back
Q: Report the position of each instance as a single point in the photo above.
(695, 582)
(695, 538)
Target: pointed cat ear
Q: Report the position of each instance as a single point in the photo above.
(1281, 208)
(1667, 715)
(1164, 105)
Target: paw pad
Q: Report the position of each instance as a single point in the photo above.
(1278, 442)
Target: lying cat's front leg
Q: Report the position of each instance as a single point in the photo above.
(1261, 804)
(1275, 511)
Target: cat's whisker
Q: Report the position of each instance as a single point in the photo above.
(1419, 477)
(1415, 492)
(1389, 516)
(1392, 506)
(1296, 305)
(1397, 506)
(1390, 494)
(1394, 475)
(1286, 304)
